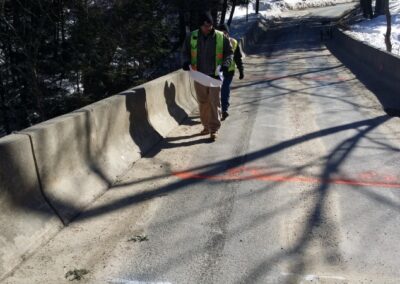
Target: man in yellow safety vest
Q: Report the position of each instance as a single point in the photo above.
(207, 50)
(237, 62)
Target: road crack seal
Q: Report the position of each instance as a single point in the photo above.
(138, 239)
(76, 274)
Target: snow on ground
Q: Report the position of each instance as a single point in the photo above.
(303, 4)
(373, 31)
(370, 31)
(273, 8)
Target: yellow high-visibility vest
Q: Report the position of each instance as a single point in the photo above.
(219, 49)
(234, 44)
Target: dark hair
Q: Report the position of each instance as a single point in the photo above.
(205, 17)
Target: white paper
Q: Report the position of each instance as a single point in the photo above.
(204, 80)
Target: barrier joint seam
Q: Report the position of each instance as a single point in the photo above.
(45, 197)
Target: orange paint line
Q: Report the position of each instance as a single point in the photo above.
(255, 175)
(331, 79)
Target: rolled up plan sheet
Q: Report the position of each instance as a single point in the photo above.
(205, 80)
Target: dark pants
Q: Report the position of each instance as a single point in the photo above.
(225, 92)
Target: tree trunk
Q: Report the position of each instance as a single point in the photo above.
(223, 13)
(4, 75)
(62, 18)
(257, 6)
(182, 26)
(78, 79)
(247, 11)
(3, 104)
(232, 12)
(366, 6)
(388, 26)
(379, 8)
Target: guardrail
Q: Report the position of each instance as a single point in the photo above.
(377, 69)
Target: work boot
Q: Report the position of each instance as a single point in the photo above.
(213, 136)
(204, 131)
(225, 114)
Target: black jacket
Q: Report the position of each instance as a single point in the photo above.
(237, 57)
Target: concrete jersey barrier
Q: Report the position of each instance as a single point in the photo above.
(26, 220)
(81, 154)
(65, 149)
(67, 162)
(250, 34)
(373, 66)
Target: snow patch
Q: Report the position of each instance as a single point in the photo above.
(373, 31)
(273, 8)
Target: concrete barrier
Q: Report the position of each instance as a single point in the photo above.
(81, 154)
(250, 33)
(67, 162)
(65, 150)
(376, 68)
(176, 101)
(128, 125)
(26, 220)
(119, 134)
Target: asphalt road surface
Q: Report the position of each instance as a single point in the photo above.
(301, 186)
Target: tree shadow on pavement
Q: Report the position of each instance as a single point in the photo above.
(225, 165)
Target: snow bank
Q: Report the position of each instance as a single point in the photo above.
(273, 8)
(303, 4)
(373, 31)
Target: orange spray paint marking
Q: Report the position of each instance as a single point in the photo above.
(252, 173)
(332, 79)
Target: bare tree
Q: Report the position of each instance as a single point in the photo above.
(388, 26)
(58, 55)
(378, 8)
(223, 12)
(232, 12)
(257, 6)
(366, 6)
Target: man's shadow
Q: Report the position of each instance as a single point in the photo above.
(144, 135)
(178, 113)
